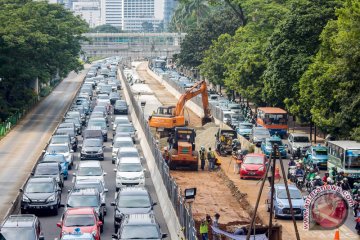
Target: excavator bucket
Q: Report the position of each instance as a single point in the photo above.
(206, 120)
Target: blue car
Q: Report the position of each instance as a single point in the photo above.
(281, 203)
(60, 159)
(318, 155)
(244, 129)
(266, 146)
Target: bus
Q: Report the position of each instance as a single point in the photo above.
(274, 119)
(345, 156)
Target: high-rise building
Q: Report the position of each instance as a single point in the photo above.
(169, 8)
(89, 11)
(112, 12)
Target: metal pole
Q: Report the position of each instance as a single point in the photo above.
(289, 198)
(274, 151)
(257, 201)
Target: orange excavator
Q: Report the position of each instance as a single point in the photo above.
(168, 117)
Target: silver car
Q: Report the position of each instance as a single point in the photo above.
(64, 149)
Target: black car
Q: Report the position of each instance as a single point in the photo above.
(114, 96)
(120, 107)
(41, 193)
(92, 148)
(50, 169)
(131, 200)
(21, 227)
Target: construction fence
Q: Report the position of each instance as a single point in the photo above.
(181, 208)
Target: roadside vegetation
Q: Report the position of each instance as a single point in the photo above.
(301, 55)
(37, 41)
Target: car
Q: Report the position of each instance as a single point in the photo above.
(92, 148)
(118, 143)
(77, 236)
(71, 133)
(85, 219)
(244, 129)
(99, 115)
(76, 114)
(41, 193)
(77, 123)
(318, 155)
(234, 107)
(253, 166)
(85, 198)
(64, 149)
(21, 227)
(129, 172)
(100, 122)
(120, 107)
(127, 152)
(90, 170)
(258, 135)
(93, 132)
(50, 169)
(139, 226)
(125, 130)
(267, 146)
(281, 203)
(131, 200)
(235, 120)
(120, 120)
(60, 139)
(60, 159)
(93, 183)
(298, 142)
(101, 109)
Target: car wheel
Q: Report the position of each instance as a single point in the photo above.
(56, 210)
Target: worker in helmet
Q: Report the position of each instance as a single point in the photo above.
(166, 155)
(345, 185)
(202, 154)
(318, 182)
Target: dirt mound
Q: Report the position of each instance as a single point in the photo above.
(206, 137)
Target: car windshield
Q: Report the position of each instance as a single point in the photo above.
(352, 159)
(60, 139)
(103, 96)
(254, 160)
(23, 233)
(119, 144)
(129, 167)
(39, 187)
(294, 194)
(99, 109)
(46, 170)
(92, 143)
(261, 131)
(83, 201)
(134, 201)
(278, 142)
(140, 232)
(128, 154)
(301, 139)
(89, 171)
(54, 158)
(245, 126)
(57, 149)
(97, 186)
(120, 103)
(102, 124)
(79, 220)
(124, 129)
(320, 153)
(121, 121)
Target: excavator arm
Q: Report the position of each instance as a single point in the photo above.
(198, 88)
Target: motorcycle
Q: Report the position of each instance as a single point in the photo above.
(291, 173)
(299, 182)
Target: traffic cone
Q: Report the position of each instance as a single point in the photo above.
(337, 235)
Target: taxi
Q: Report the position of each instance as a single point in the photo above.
(84, 220)
(78, 235)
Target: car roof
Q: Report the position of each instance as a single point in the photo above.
(139, 219)
(41, 179)
(255, 155)
(282, 186)
(89, 164)
(128, 149)
(48, 164)
(317, 148)
(80, 181)
(20, 220)
(133, 191)
(130, 160)
(84, 191)
(58, 144)
(85, 210)
(122, 117)
(123, 139)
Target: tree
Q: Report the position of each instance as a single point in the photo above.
(106, 28)
(331, 84)
(292, 46)
(199, 39)
(37, 40)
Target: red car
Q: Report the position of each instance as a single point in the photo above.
(253, 166)
(84, 218)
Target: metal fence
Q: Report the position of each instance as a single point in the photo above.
(11, 121)
(182, 210)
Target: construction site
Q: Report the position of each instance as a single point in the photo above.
(221, 191)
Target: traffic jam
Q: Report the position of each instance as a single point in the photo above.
(72, 183)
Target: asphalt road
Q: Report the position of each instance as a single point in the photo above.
(20, 149)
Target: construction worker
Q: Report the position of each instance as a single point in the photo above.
(170, 141)
(204, 229)
(211, 159)
(216, 224)
(202, 154)
(222, 138)
(166, 155)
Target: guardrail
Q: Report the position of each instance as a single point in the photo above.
(183, 212)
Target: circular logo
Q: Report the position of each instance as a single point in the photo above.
(329, 210)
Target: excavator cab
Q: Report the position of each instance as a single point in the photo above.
(165, 110)
(184, 135)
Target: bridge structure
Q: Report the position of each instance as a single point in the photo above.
(134, 45)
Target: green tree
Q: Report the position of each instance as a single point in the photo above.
(331, 84)
(292, 46)
(106, 28)
(37, 40)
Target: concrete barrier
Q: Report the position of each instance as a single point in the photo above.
(166, 206)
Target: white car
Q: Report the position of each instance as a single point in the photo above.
(62, 148)
(90, 170)
(122, 119)
(129, 172)
(120, 142)
(126, 152)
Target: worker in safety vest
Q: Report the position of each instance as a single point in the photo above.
(211, 159)
(202, 154)
(204, 229)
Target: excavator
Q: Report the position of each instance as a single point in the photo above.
(167, 118)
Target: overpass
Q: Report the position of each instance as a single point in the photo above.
(132, 44)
